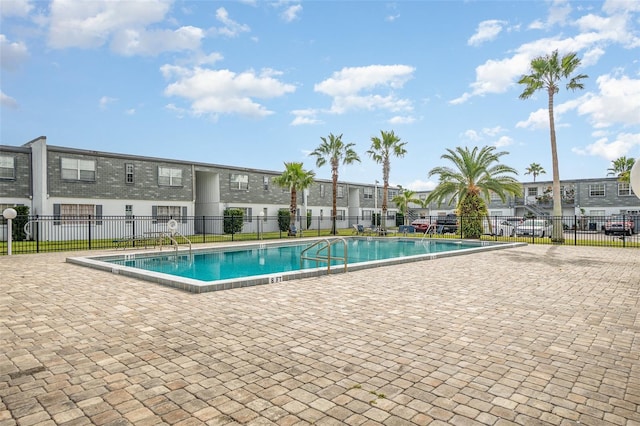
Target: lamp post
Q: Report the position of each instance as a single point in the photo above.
(260, 224)
(9, 214)
(375, 203)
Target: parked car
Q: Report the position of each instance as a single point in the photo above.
(534, 227)
(502, 226)
(421, 225)
(447, 223)
(619, 225)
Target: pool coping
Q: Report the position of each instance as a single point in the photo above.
(198, 286)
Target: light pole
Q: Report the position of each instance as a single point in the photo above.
(260, 219)
(375, 203)
(9, 214)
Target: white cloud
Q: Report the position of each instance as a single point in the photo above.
(486, 31)
(618, 101)
(498, 75)
(539, 119)
(291, 13)
(614, 6)
(399, 119)
(12, 54)
(304, 117)
(610, 150)
(20, 8)
(223, 91)
(503, 141)
(104, 101)
(392, 18)
(130, 111)
(122, 24)
(477, 136)
(230, 27)
(421, 185)
(347, 86)
(8, 101)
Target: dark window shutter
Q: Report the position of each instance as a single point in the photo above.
(56, 214)
(99, 214)
(154, 213)
(184, 214)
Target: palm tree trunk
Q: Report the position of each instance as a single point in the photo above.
(334, 210)
(557, 235)
(292, 210)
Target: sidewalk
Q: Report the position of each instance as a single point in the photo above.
(532, 336)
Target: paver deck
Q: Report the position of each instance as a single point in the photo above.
(532, 336)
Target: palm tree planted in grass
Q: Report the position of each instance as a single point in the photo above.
(546, 73)
(295, 178)
(403, 200)
(621, 167)
(475, 175)
(535, 169)
(334, 151)
(382, 148)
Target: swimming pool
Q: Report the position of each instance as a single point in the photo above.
(220, 268)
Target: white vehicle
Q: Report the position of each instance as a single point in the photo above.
(503, 226)
(534, 227)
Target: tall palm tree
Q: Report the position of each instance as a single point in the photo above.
(475, 175)
(403, 199)
(295, 178)
(546, 73)
(382, 148)
(335, 152)
(534, 169)
(621, 167)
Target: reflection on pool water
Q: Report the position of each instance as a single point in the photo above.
(240, 266)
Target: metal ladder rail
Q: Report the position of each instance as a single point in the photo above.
(323, 244)
(174, 242)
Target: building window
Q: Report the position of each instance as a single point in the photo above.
(321, 190)
(128, 212)
(265, 182)
(321, 214)
(495, 198)
(624, 189)
(128, 173)
(340, 214)
(422, 197)
(163, 214)
(596, 190)
(168, 176)
(76, 213)
(340, 191)
(532, 191)
(75, 169)
(368, 194)
(7, 167)
(239, 182)
(265, 214)
(367, 214)
(392, 193)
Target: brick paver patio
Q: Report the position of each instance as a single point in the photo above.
(533, 336)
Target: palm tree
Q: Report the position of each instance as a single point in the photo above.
(382, 148)
(621, 167)
(535, 169)
(295, 178)
(546, 72)
(335, 152)
(475, 176)
(403, 199)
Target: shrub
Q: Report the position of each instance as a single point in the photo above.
(233, 221)
(284, 216)
(17, 227)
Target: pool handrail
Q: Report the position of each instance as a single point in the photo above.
(328, 242)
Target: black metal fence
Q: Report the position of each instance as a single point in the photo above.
(36, 234)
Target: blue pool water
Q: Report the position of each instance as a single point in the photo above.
(262, 260)
(240, 266)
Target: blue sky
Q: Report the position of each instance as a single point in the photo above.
(257, 83)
